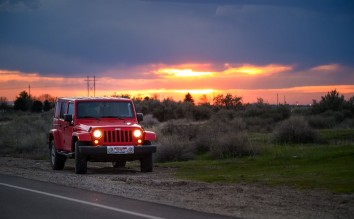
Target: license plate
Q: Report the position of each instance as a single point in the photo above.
(120, 149)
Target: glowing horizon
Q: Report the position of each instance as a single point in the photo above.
(201, 80)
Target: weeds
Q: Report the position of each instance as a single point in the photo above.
(25, 134)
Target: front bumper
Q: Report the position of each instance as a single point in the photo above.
(102, 150)
(99, 153)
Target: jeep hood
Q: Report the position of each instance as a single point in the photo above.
(88, 126)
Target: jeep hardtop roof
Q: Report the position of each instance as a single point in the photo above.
(92, 98)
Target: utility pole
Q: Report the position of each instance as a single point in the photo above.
(277, 99)
(88, 85)
(29, 90)
(94, 85)
(90, 88)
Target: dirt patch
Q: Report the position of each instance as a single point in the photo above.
(237, 200)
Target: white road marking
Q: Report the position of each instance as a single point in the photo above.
(82, 202)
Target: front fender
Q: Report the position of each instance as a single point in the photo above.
(83, 136)
(150, 136)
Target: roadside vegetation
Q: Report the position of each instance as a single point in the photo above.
(223, 141)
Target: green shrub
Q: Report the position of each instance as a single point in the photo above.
(223, 139)
(321, 121)
(294, 130)
(25, 134)
(149, 121)
(230, 145)
(173, 148)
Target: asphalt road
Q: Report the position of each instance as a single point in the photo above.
(24, 198)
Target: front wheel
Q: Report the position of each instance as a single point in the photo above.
(57, 161)
(146, 164)
(80, 161)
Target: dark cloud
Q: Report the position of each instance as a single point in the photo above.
(330, 6)
(18, 5)
(80, 37)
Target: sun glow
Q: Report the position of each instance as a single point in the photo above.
(194, 91)
(175, 73)
(256, 70)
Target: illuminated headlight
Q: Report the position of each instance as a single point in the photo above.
(137, 133)
(97, 134)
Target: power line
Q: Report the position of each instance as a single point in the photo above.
(88, 80)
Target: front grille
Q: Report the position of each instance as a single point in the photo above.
(118, 136)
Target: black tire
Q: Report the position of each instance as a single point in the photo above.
(80, 161)
(57, 161)
(146, 164)
(118, 164)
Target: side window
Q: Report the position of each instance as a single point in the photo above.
(62, 110)
(71, 108)
(57, 109)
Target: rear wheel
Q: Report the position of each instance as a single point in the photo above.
(57, 161)
(80, 161)
(146, 164)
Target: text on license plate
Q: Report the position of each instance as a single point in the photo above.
(120, 149)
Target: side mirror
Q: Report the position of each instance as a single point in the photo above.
(68, 118)
(140, 117)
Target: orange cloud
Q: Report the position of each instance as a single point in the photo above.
(175, 73)
(252, 70)
(330, 67)
(194, 70)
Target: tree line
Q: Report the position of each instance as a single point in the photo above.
(168, 108)
(25, 102)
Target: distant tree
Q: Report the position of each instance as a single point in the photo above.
(37, 106)
(203, 100)
(4, 105)
(47, 105)
(260, 101)
(45, 97)
(188, 98)
(350, 104)
(23, 102)
(331, 101)
(228, 102)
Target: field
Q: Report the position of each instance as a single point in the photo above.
(220, 149)
(306, 167)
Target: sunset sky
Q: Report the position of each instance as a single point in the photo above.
(293, 50)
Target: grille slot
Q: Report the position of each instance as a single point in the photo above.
(118, 136)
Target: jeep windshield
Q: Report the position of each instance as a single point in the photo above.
(104, 110)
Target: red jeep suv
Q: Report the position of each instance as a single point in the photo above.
(99, 129)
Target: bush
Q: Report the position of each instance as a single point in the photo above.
(176, 140)
(294, 130)
(173, 148)
(223, 139)
(230, 145)
(25, 134)
(321, 121)
(149, 121)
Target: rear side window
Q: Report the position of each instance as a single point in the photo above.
(57, 109)
(62, 110)
(71, 108)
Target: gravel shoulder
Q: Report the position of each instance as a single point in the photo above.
(237, 200)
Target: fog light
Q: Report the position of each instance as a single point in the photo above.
(140, 141)
(96, 141)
